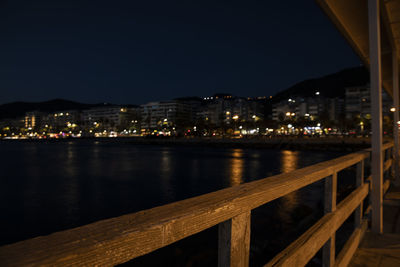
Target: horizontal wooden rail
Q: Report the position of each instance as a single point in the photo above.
(348, 250)
(307, 245)
(130, 236)
(387, 145)
(387, 165)
(118, 240)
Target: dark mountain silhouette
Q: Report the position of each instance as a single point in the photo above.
(332, 85)
(18, 109)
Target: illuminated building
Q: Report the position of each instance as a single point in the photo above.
(109, 116)
(168, 113)
(33, 119)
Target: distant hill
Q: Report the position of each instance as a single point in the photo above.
(18, 109)
(332, 85)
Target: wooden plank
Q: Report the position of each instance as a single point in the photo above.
(306, 246)
(376, 112)
(384, 146)
(388, 164)
(117, 240)
(328, 251)
(234, 241)
(387, 145)
(330, 193)
(368, 210)
(395, 70)
(348, 250)
(359, 182)
(386, 186)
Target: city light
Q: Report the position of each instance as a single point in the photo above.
(393, 109)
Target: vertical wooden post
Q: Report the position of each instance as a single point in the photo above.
(359, 182)
(376, 112)
(391, 156)
(389, 172)
(328, 251)
(396, 159)
(234, 241)
(387, 156)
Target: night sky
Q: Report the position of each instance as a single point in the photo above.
(139, 51)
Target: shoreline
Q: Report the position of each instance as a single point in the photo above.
(290, 143)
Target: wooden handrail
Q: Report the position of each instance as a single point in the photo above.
(118, 240)
(307, 245)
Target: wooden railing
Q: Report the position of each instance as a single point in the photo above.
(118, 240)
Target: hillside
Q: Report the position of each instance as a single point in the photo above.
(332, 85)
(18, 109)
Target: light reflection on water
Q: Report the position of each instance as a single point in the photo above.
(289, 162)
(48, 187)
(166, 173)
(236, 170)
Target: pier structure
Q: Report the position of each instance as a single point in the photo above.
(373, 30)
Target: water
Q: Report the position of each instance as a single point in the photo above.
(52, 186)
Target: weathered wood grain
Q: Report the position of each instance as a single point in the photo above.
(305, 247)
(117, 240)
(328, 251)
(359, 182)
(234, 241)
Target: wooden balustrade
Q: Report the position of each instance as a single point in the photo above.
(118, 240)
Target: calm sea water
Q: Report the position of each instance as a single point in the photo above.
(52, 186)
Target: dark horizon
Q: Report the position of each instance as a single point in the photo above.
(139, 52)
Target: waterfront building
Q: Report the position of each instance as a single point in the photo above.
(225, 109)
(358, 102)
(173, 113)
(310, 107)
(62, 119)
(195, 105)
(33, 119)
(111, 117)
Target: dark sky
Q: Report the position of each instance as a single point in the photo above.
(138, 51)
